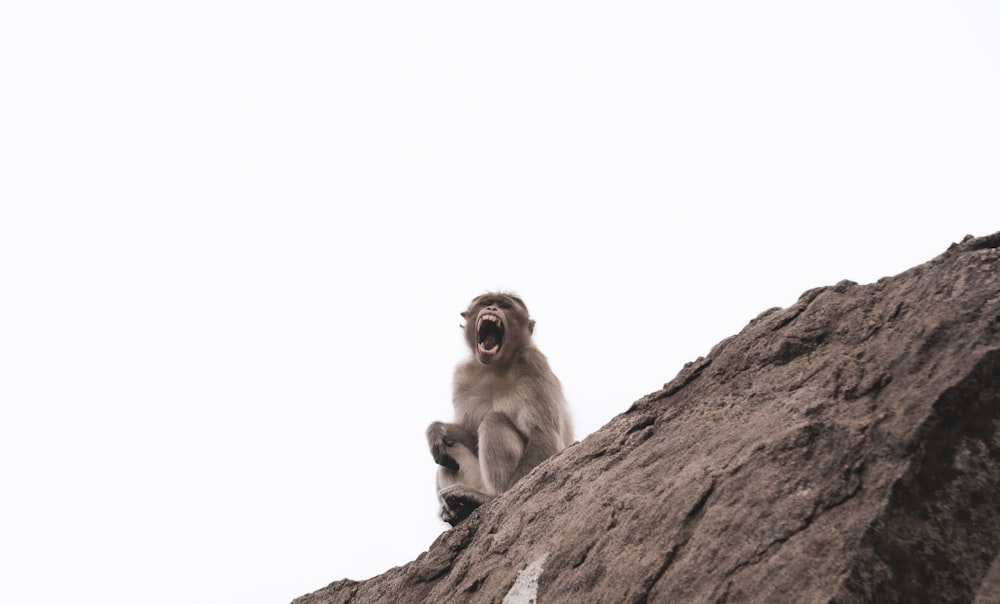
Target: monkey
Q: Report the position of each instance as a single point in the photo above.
(510, 413)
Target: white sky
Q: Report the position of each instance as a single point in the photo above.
(235, 238)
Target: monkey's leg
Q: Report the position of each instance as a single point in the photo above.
(467, 472)
(460, 492)
(460, 484)
(500, 450)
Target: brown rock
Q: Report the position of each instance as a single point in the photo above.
(845, 449)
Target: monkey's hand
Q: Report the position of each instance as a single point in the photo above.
(440, 443)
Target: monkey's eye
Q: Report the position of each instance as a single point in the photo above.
(504, 305)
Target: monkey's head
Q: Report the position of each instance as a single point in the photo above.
(497, 327)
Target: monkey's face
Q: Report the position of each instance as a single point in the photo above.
(497, 327)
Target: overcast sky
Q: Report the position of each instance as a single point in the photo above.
(235, 238)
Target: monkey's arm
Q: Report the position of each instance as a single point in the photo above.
(501, 447)
(441, 436)
(540, 417)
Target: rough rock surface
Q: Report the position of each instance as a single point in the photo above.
(845, 449)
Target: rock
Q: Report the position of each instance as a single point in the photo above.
(845, 449)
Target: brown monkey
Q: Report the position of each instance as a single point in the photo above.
(510, 413)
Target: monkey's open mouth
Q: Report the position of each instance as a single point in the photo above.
(489, 334)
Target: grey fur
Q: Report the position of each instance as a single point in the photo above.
(510, 413)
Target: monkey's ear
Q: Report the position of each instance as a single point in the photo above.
(531, 326)
(465, 314)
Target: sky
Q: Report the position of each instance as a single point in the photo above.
(235, 238)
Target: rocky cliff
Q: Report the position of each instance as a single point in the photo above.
(845, 449)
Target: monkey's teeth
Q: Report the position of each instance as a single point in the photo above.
(489, 334)
(491, 318)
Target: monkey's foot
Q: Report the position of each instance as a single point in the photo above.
(458, 501)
